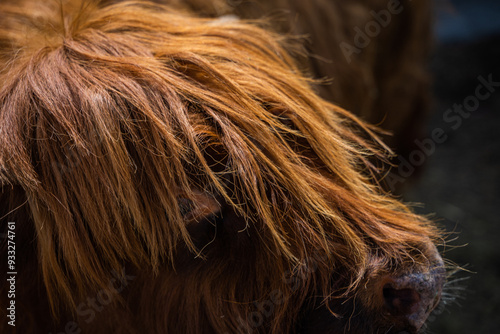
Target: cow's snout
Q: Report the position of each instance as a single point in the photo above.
(409, 299)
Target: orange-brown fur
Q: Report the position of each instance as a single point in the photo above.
(112, 118)
(390, 73)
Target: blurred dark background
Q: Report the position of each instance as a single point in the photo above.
(460, 182)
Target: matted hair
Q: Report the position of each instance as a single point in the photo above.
(113, 117)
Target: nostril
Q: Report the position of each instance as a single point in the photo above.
(409, 299)
(401, 301)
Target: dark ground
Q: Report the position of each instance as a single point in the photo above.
(460, 182)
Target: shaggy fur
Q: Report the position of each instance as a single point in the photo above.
(190, 160)
(390, 72)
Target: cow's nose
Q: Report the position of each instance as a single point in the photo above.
(409, 299)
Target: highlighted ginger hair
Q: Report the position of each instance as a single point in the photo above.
(112, 116)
